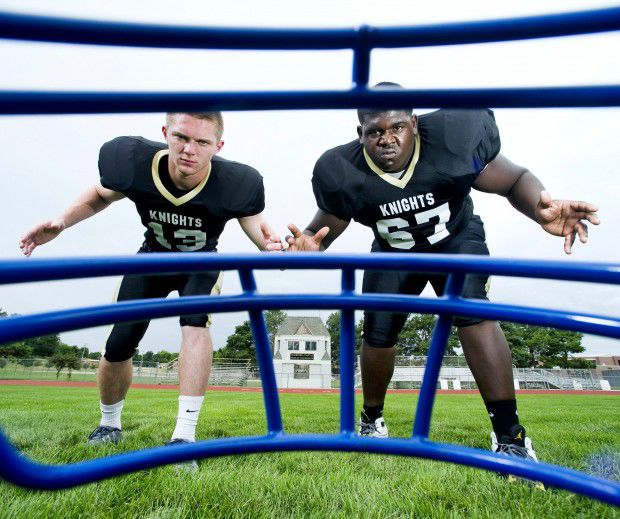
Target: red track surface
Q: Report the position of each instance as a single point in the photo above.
(302, 391)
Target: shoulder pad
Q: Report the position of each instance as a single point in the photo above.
(117, 163)
(244, 193)
(468, 134)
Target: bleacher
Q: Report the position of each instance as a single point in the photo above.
(455, 374)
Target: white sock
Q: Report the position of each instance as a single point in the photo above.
(111, 414)
(187, 418)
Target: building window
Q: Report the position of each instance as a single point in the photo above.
(301, 371)
(310, 345)
(293, 345)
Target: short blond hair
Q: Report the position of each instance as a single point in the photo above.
(215, 117)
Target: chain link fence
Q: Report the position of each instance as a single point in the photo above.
(225, 372)
(408, 374)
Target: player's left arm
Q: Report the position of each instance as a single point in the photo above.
(527, 194)
(260, 232)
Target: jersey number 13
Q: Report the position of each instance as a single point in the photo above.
(191, 239)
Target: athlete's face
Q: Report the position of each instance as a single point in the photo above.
(193, 143)
(388, 138)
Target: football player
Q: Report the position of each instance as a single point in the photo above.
(408, 178)
(184, 194)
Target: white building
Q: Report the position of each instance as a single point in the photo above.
(302, 354)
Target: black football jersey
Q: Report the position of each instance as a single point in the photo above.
(178, 220)
(430, 203)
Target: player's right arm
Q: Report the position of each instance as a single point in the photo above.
(318, 235)
(89, 203)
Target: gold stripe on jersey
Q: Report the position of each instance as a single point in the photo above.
(167, 194)
(402, 181)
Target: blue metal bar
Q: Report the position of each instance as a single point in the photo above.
(361, 58)
(50, 102)
(347, 357)
(362, 41)
(263, 357)
(21, 327)
(37, 269)
(92, 32)
(23, 472)
(439, 340)
(499, 30)
(67, 30)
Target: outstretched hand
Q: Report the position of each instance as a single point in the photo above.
(300, 242)
(566, 218)
(39, 235)
(273, 243)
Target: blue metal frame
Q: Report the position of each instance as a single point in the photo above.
(361, 41)
(21, 471)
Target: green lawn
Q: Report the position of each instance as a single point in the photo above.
(18, 372)
(51, 423)
(12, 372)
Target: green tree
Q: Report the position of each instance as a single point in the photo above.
(333, 328)
(559, 347)
(17, 350)
(524, 353)
(239, 345)
(148, 357)
(13, 349)
(416, 335)
(163, 356)
(534, 346)
(65, 359)
(274, 318)
(45, 346)
(577, 363)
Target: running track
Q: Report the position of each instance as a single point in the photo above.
(303, 391)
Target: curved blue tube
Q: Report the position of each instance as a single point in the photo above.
(21, 471)
(93, 32)
(41, 102)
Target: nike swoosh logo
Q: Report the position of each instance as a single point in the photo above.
(195, 411)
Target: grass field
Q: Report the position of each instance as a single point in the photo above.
(50, 424)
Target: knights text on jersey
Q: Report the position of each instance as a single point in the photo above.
(178, 220)
(430, 202)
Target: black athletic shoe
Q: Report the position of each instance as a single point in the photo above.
(516, 444)
(105, 434)
(189, 466)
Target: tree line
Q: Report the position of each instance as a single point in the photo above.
(61, 356)
(531, 346)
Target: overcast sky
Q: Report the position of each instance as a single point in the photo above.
(48, 161)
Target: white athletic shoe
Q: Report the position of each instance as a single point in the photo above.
(376, 429)
(184, 466)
